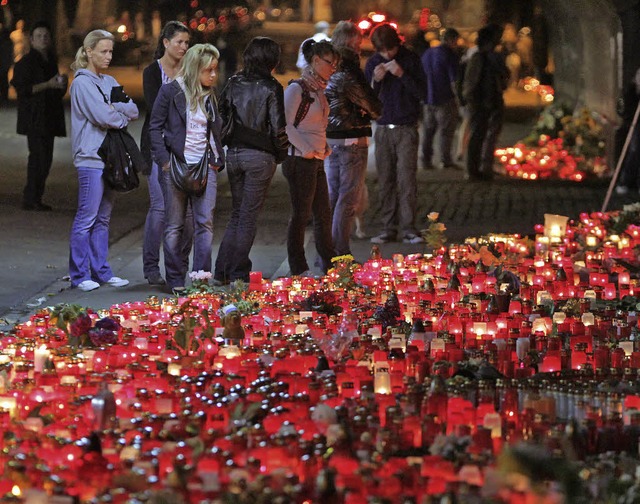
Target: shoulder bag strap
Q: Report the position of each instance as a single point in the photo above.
(305, 103)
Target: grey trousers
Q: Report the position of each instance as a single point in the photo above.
(396, 153)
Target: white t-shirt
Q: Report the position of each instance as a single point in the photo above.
(195, 143)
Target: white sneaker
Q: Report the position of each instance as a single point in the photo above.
(412, 238)
(117, 282)
(88, 285)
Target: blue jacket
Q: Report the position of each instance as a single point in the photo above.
(440, 66)
(401, 97)
(168, 126)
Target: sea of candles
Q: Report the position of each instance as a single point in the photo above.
(418, 346)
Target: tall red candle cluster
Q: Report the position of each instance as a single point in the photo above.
(406, 380)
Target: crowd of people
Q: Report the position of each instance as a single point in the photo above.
(318, 128)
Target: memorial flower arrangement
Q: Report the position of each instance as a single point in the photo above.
(199, 282)
(563, 144)
(434, 234)
(341, 272)
(78, 324)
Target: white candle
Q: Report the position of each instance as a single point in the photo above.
(40, 356)
(9, 404)
(174, 369)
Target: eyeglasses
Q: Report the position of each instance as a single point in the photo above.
(332, 64)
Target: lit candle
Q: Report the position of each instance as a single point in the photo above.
(9, 404)
(174, 369)
(40, 356)
(382, 379)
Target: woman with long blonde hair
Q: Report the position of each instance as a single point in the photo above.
(184, 127)
(97, 104)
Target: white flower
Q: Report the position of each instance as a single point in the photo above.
(200, 275)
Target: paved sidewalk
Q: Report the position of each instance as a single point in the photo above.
(34, 246)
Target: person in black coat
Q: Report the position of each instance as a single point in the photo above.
(485, 80)
(252, 107)
(630, 173)
(6, 61)
(40, 88)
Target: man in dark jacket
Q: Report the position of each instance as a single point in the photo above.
(397, 78)
(630, 172)
(6, 60)
(440, 66)
(40, 89)
(485, 80)
(353, 105)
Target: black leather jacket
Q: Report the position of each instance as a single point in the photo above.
(255, 104)
(352, 101)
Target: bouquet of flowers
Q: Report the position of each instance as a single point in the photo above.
(434, 233)
(81, 331)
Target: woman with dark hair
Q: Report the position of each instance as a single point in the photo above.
(172, 46)
(307, 112)
(252, 106)
(40, 88)
(185, 129)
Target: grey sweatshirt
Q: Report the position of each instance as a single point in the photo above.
(91, 116)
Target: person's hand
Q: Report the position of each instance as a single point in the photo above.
(56, 82)
(118, 95)
(311, 155)
(63, 80)
(379, 72)
(165, 167)
(393, 68)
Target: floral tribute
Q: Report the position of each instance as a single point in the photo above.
(502, 369)
(533, 85)
(563, 145)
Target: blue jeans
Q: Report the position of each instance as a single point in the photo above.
(346, 170)
(89, 240)
(154, 228)
(442, 120)
(250, 172)
(396, 151)
(175, 206)
(309, 198)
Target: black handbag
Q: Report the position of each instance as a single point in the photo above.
(190, 178)
(120, 152)
(122, 159)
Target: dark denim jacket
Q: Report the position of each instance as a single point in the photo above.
(168, 126)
